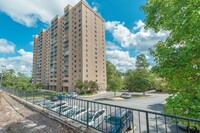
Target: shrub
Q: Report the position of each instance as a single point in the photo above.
(89, 92)
(158, 90)
(81, 93)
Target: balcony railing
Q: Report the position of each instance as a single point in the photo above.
(109, 118)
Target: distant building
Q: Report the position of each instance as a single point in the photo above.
(72, 48)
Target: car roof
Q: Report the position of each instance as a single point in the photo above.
(119, 112)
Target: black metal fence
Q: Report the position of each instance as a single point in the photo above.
(109, 118)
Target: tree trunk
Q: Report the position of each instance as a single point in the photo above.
(143, 93)
(115, 93)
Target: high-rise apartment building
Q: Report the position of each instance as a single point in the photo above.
(72, 49)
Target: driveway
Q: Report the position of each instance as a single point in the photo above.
(152, 103)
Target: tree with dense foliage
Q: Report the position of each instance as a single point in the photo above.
(177, 58)
(39, 86)
(110, 70)
(138, 80)
(115, 84)
(141, 62)
(114, 80)
(16, 81)
(79, 84)
(93, 85)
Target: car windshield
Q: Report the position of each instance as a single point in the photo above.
(67, 109)
(84, 117)
(71, 112)
(113, 120)
(57, 105)
(65, 106)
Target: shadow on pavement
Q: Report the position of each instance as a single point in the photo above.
(156, 107)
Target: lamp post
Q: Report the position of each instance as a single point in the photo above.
(3, 67)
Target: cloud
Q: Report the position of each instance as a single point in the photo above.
(21, 63)
(31, 43)
(6, 46)
(95, 6)
(111, 46)
(121, 59)
(139, 25)
(140, 38)
(28, 12)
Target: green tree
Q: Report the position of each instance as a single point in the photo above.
(141, 62)
(93, 85)
(110, 70)
(115, 84)
(79, 85)
(112, 75)
(177, 58)
(39, 86)
(138, 80)
(86, 85)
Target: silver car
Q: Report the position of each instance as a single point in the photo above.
(76, 112)
(94, 117)
(72, 94)
(68, 109)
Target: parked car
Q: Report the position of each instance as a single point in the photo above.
(61, 96)
(54, 105)
(58, 106)
(72, 94)
(44, 102)
(62, 108)
(76, 112)
(54, 98)
(40, 101)
(119, 121)
(126, 95)
(65, 111)
(94, 117)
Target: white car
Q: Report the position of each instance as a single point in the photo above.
(76, 112)
(41, 102)
(94, 118)
(66, 110)
(54, 104)
(59, 106)
(72, 94)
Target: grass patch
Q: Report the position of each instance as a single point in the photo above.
(140, 96)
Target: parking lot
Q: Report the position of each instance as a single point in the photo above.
(152, 103)
(106, 107)
(106, 113)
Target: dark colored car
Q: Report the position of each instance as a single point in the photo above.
(54, 98)
(61, 96)
(126, 95)
(119, 121)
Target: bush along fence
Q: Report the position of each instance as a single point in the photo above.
(108, 118)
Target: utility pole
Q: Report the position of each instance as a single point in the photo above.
(3, 67)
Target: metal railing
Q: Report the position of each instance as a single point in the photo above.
(109, 118)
